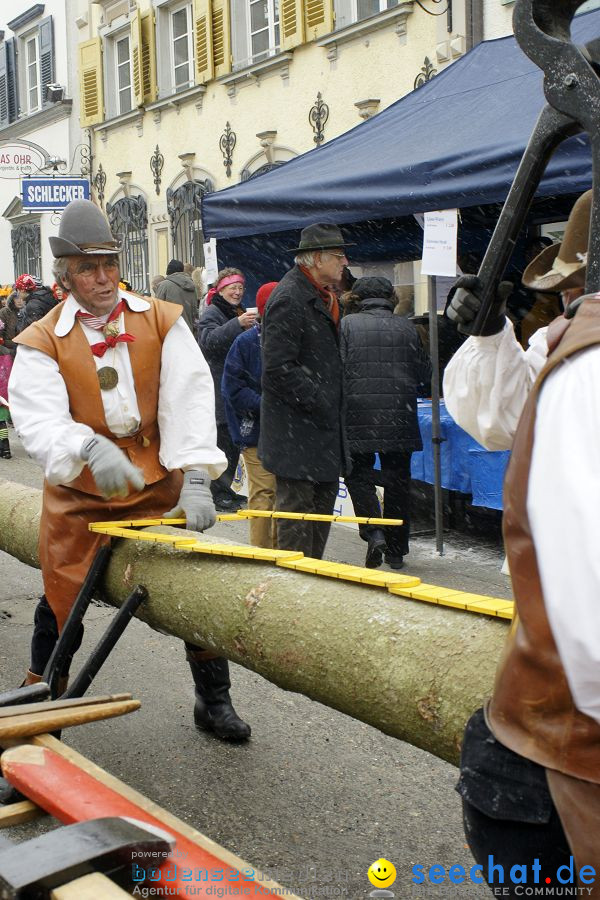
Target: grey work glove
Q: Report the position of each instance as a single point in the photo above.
(110, 467)
(466, 303)
(195, 501)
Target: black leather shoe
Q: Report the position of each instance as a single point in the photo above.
(375, 549)
(222, 719)
(226, 504)
(394, 562)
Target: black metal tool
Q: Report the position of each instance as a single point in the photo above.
(35, 867)
(99, 655)
(29, 693)
(572, 88)
(70, 632)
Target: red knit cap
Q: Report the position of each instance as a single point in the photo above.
(263, 294)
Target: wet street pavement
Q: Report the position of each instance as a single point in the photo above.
(315, 797)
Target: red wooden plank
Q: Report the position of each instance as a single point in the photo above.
(71, 794)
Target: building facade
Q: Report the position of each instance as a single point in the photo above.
(40, 133)
(182, 97)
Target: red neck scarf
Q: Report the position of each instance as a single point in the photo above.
(98, 323)
(328, 297)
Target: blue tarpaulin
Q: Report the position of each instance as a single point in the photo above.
(455, 142)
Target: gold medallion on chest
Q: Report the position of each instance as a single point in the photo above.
(108, 378)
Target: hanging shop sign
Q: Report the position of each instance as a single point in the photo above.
(53, 193)
(18, 159)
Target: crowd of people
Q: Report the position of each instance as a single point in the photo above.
(135, 407)
(29, 300)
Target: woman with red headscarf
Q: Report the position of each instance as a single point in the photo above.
(223, 319)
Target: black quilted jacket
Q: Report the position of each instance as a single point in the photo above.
(385, 370)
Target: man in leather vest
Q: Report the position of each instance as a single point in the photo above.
(112, 397)
(530, 767)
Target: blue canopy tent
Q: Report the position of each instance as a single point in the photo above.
(455, 142)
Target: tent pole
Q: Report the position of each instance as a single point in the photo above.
(436, 438)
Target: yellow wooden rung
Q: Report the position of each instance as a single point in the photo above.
(228, 517)
(313, 566)
(385, 579)
(375, 521)
(255, 514)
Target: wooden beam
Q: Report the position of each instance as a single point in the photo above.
(413, 669)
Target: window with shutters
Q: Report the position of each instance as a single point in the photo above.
(32, 73)
(33, 68)
(256, 34)
(118, 72)
(349, 11)
(264, 28)
(123, 74)
(182, 58)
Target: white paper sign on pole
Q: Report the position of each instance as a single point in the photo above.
(440, 238)
(210, 261)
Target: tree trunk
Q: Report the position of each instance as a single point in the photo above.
(414, 670)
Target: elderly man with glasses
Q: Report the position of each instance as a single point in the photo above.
(111, 396)
(301, 436)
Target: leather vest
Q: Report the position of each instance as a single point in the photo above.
(77, 366)
(532, 709)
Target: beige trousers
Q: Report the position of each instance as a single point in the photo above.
(261, 495)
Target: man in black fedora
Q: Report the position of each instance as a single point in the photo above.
(301, 438)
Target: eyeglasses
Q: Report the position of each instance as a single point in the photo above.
(339, 255)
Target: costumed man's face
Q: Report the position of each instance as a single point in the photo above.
(94, 282)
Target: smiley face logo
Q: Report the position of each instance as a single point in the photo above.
(382, 873)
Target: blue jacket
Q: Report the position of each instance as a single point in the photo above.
(240, 388)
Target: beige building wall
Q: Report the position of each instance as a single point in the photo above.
(375, 60)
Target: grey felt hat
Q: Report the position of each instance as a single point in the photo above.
(320, 237)
(84, 230)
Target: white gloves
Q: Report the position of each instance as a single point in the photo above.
(195, 501)
(110, 467)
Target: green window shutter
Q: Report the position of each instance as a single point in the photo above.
(46, 55)
(90, 77)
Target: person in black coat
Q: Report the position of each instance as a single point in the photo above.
(223, 319)
(40, 302)
(301, 407)
(385, 370)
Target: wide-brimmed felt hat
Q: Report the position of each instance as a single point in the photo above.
(562, 266)
(83, 231)
(320, 237)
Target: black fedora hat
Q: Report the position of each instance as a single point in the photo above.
(320, 237)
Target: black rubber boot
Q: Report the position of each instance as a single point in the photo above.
(213, 710)
(5, 449)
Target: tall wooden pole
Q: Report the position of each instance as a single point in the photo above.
(412, 669)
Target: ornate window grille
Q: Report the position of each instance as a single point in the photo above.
(128, 218)
(26, 247)
(184, 205)
(268, 167)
